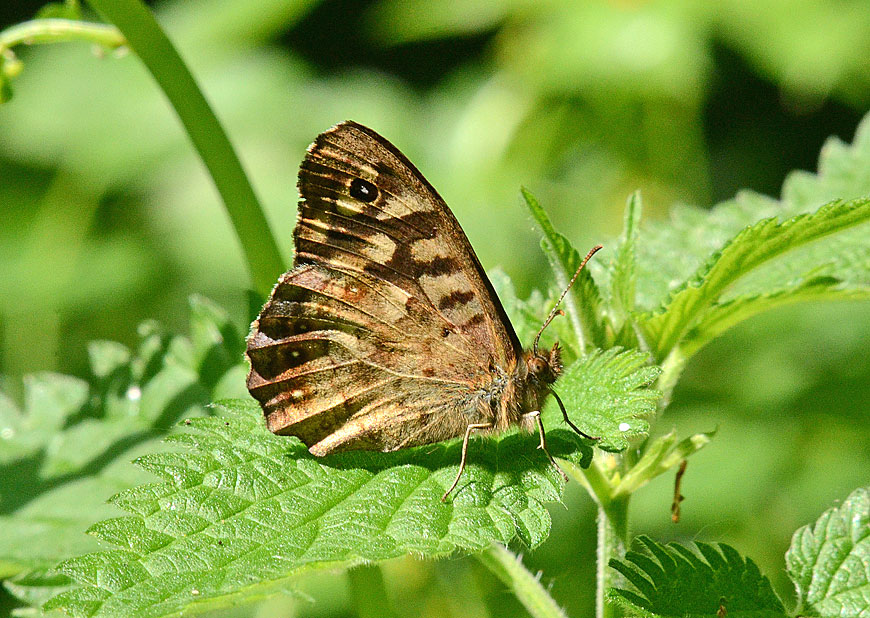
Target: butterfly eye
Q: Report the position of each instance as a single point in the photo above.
(539, 367)
(363, 190)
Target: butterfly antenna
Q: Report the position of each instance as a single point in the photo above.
(555, 310)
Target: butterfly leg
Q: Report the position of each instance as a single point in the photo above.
(468, 430)
(568, 420)
(536, 414)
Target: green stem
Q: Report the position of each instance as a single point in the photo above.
(58, 31)
(612, 541)
(369, 593)
(612, 528)
(526, 587)
(145, 37)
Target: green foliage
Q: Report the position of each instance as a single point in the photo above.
(67, 448)
(607, 395)
(583, 302)
(593, 99)
(672, 580)
(696, 300)
(829, 561)
(669, 252)
(624, 270)
(661, 454)
(244, 510)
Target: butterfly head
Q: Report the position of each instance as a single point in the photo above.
(545, 366)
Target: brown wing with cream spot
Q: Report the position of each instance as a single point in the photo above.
(379, 336)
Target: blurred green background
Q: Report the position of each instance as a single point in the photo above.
(108, 217)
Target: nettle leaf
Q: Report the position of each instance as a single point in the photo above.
(583, 303)
(829, 561)
(755, 245)
(607, 395)
(714, 580)
(624, 264)
(669, 252)
(242, 511)
(65, 449)
(37, 586)
(730, 312)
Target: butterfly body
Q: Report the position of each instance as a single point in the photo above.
(387, 333)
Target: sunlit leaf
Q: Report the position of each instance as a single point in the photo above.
(829, 561)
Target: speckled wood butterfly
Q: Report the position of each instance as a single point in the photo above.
(387, 333)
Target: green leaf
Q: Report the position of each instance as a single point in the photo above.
(660, 456)
(829, 561)
(217, 343)
(243, 510)
(728, 313)
(669, 252)
(757, 244)
(674, 581)
(37, 586)
(65, 449)
(583, 303)
(623, 267)
(607, 395)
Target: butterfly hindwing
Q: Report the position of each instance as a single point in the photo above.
(386, 326)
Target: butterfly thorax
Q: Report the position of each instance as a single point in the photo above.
(507, 397)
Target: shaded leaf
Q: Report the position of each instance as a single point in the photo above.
(755, 245)
(669, 252)
(674, 581)
(623, 267)
(66, 447)
(726, 314)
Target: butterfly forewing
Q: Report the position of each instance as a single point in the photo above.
(387, 329)
(366, 208)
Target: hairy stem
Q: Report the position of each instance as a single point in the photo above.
(612, 528)
(145, 37)
(612, 540)
(526, 587)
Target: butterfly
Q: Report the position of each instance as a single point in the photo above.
(387, 333)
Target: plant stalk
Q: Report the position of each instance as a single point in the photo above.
(612, 541)
(60, 30)
(145, 37)
(508, 567)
